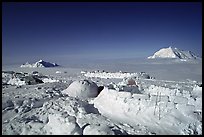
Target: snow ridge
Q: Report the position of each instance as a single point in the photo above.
(173, 53)
(118, 75)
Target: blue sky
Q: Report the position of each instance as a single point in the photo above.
(31, 31)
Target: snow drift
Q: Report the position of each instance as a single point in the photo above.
(162, 113)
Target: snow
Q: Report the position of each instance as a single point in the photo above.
(97, 130)
(58, 72)
(82, 89)
(16, 81)
(147, 111)
(160, 98)
(49, 80)
(109, 75)
(173, 53)
(39, 63)
(62, 125)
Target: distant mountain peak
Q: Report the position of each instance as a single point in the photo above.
(40, 63)
(172, 52)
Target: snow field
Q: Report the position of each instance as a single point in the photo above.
(128, 105)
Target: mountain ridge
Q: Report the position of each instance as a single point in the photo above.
(39, 64)
(176, 53)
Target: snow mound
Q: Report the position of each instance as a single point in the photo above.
(173, 53)
(82, 89)
(40, 64)
(97, 130)
(59, 125)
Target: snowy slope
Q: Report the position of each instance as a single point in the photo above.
(39, 63)
(173, 53)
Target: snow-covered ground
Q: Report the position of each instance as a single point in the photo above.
(132, 98)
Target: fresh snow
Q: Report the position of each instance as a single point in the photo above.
(145, 99)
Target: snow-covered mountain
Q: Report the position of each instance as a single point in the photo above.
(39, 63)
(173, 53)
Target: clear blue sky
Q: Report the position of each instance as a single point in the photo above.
(98, 30)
